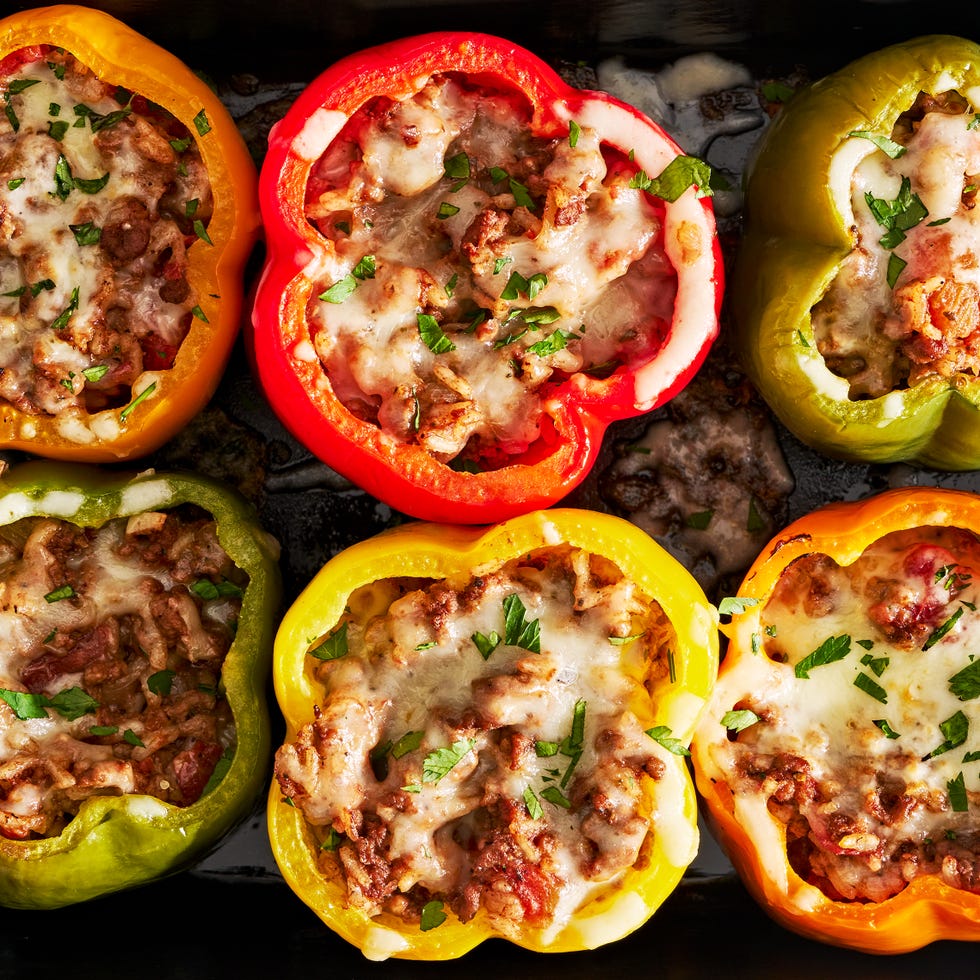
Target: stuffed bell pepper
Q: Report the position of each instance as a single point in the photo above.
(136, 617)
(473, 269)
(129, 209)
(839, 760)
(486, 732)
(857, 291)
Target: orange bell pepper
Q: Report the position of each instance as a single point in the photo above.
(164, 398)
(847, 700)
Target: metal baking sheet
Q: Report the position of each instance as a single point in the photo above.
(233, 913)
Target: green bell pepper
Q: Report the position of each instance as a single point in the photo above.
(118, 841)
(797, 234)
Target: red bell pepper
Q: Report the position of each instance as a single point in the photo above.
(657, 355)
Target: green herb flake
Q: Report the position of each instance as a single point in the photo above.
(86, 234)
(446, 210)
(755, 521)
(59, 70)
(623, 641)
(522, 197)
(965, 683)
(73, 703)
(551, 344)
(340, 290)
(681, 173)
(63, 592)
(886, 729)
(739, 719)
(866, 644)
(24, 705)
(458, 167)
(775, 91)
(409, 742)
(865, 683)
(887, 146)
(333, 647)
(955, 730)
(958, 800)
(103, 731)
(545, 750)
(532, 803)
(662, 735)
(735, 605)
(332, 841)
(201, 231)
(518, 631)
(199, 314)
(699, 521)
(432, 335)
(201, 123)
(554, 796)
(142, 396)
(500, 263)
(61, 320)
(486, 644)
(450, 286)
(178, 146)
(57, 129)
(92, 186)
(161, 683)
(440, 762)
(433, 915)
(132, 738)
(972, 757)
(574, 131)
(96, 372)
(13, 184)
(937, 634)
(832, 649)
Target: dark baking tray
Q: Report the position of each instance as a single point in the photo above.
(233, 914)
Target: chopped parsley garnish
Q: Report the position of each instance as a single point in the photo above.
(440, 762)
(889, 147)
(871, 687)
(958, 800)
(521, 196)
(832, 649)
(551, 344)
(574, 131)
(409, 742)
(895, 266)
(201, 123)
(57, 129)
(486, 644)
(86, 234)
(755, 521)
(544, 750)
(446, 210)
(142, 396)
(681, 173)
(432, 334)
(877, 664)
(201, 231)
(450, 286)
(340, 290)
(199, 314)
(102, 731)
(458, 168)
(130, 736)
(965, 683)
(937, 634)
(500, 263)
(161, 682)
(554, 796)
(333, 647)
(955, 729)
(204, 588)
(518, 631)
(739, 719)
(700, 520)
(95, 373)
(61, 320)
(734, 605)
(777, 91)
(433, 915)
(623, 641)
(332, 841)
(532, 803)
(663, 736)
(571, 745)
(886, 729)
(63, 592)
(12, 185)
(71, 703)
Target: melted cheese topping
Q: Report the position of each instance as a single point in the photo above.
(905, 305)
(109, 642)
(528, 260)
(515, 784)
(868, 740)
(98, 201)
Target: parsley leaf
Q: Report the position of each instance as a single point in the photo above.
(871, 687)
(432, 335)
(681, 173)
(889, 147)
(734, 605)
(832, 649)
(433, 915)
(965, 684)
(441, 761)
(532, 803)
(937, 634)
(333, 647)
(486, 644)
(739, 719)
(661, 734)
(955, 729)
(518, 632)
(958, 800)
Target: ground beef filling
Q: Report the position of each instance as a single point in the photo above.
(510, 785)
(477, 265)
(880, 788)
(113, 643)
(102, 194)
(905, 306)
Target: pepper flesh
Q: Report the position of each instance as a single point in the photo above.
(927, 909)
(120, 56)
(576, 411)
(795, 242)
(116, 842)
(438, 551)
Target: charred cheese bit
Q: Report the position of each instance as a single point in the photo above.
(485, 742)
